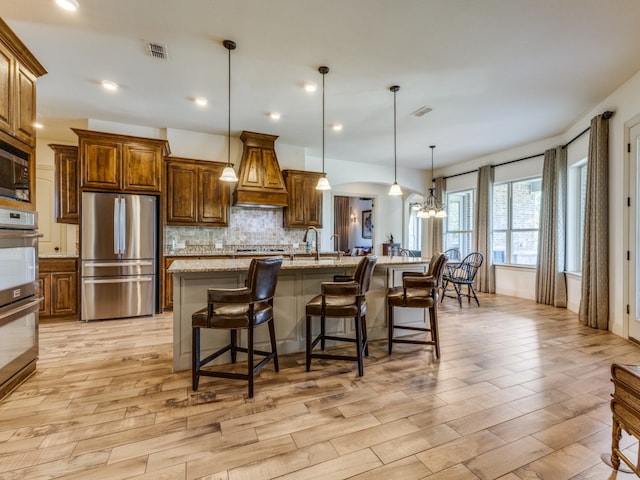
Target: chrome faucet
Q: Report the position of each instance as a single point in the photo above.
(304, 239)
(337, 238)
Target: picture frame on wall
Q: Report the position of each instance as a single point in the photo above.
(367, 224)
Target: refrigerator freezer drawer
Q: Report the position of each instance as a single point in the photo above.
(97, 268)
(117, 297)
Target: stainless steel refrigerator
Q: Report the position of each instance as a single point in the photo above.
(118, 255)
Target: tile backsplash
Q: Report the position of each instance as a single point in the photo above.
(258, 228)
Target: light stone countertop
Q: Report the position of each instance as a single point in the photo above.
(241, 264)
(57, 255)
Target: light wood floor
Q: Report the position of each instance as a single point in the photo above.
(521, 392)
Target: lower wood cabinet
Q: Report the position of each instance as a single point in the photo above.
(58, 285)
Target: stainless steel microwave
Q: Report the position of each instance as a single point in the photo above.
(14, 174)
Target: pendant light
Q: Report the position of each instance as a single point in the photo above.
(395, 188)
(432, 207)
(323, 182)
(229, 174)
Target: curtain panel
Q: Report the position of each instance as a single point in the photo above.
(551, 285)
(342, 222)
(437, 227)
(594, 303)
(485, 278)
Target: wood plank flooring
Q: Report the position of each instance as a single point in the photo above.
(521, 392)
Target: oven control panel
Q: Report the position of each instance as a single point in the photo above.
(13, 218)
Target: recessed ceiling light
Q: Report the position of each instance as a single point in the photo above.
(70, 5)
(310, 87)
(38, 125)
(201, 101)
(337, 127)
(274, 115)
(109, 85)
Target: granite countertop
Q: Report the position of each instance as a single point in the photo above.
(242, 264)
(57, 255)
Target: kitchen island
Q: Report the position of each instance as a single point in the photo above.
(298, 282)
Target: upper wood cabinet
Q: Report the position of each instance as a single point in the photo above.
(19, 70)
(122, 163)
(305, 202)
(67, 183)
(195, 195)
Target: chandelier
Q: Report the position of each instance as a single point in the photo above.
(432, 207)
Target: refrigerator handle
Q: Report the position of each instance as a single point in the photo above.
(116, 226)
(123, 226)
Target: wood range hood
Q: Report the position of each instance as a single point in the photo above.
(260, 183)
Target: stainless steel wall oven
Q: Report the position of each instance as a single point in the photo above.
(19, 298)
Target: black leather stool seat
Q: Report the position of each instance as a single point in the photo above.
(232, 315)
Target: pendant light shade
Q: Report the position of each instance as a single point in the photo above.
(323, 182)
(432, 207)
(229, 174)
(395, 189)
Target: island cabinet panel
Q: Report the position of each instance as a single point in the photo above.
(67, 183)
(58, 279)
(120, 163)
(195, 194)
(305, 202)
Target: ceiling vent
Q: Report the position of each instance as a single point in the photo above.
(421, 111)
(157, 50)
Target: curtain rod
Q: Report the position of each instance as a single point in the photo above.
(606, 115)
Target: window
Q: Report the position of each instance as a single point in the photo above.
(577, 194)
(459, 222)
(516, 219)
(414, 231)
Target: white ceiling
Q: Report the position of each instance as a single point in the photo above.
(497, 73)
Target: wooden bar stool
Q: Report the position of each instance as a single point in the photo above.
(418, 291)
(239, 309)
(342, 299)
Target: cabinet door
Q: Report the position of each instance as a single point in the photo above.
(313, 204)
(142, 168)
(181, 193)
(295, 211)
(25, 106)
(213, 196)
(168, 285)
(7, 85)
(63, 293)
(66, 184)
(100, 165)
(44, 290)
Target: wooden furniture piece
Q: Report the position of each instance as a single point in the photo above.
(462, 273)
(341, 299)
(58, 286)
(67, 183)
(417, 291)
(120, 163)
(235, 310)
(19, 70)
(304, 207)
(390, 247)
(625, 407)
(195, 195)
(260, 181)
